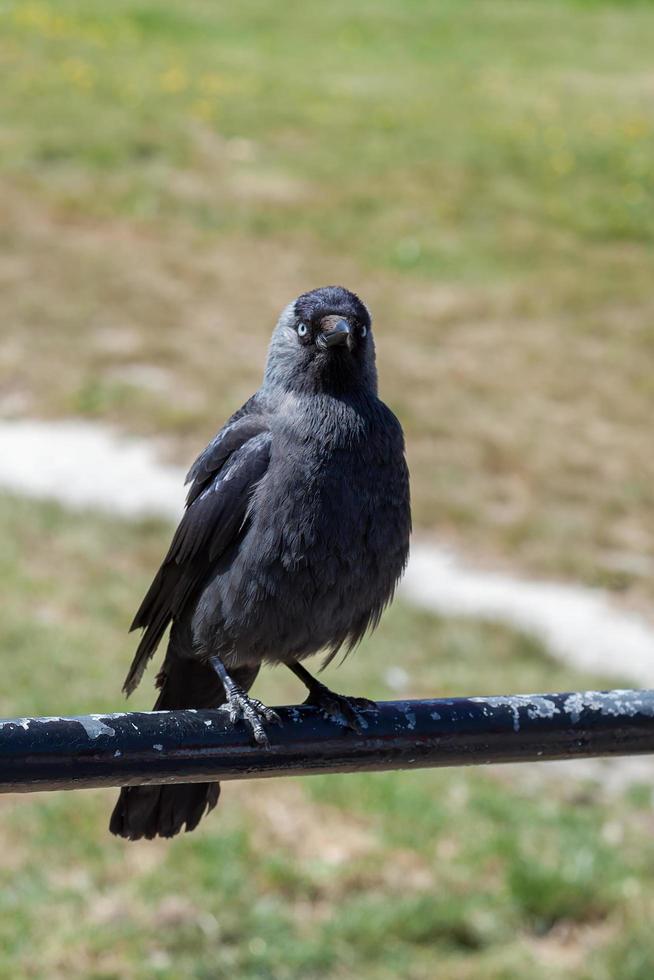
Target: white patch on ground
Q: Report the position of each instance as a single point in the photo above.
(82, 464)
(578, 625)
(610, 776)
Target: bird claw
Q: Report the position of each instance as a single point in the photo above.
(340, 708)
(253, 713)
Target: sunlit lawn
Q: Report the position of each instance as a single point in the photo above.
(172, 174)
(483, 173)
(382, 875)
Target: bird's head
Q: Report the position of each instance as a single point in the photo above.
(323, 342)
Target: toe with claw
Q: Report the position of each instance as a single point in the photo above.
(340, 708)
(253, 712)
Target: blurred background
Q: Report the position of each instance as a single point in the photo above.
(482, 175)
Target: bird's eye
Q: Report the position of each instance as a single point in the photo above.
(302, 330)
(364, 330)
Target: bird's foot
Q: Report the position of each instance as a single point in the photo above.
(253, 712)
(340, 708)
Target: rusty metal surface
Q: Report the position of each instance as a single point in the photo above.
(191, 746)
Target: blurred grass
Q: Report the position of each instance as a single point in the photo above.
(170, 175)
(482, 173)
(380, 875)
(409, 120)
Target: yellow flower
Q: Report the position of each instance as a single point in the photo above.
(211, 83)
(202, 109)
(635, 128)
(174, 79)
(77, 72)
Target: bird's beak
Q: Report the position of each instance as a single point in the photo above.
(334, 332)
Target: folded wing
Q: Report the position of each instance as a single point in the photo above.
(222, 481)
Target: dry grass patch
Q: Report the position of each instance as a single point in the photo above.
(527, 434)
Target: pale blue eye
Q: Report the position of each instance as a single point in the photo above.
(302, 330)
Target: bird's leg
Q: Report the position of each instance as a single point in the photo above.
(337, 707)
(242, 707)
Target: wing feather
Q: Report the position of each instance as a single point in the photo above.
(224, 477)
(237, 431)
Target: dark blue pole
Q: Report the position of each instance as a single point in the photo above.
(190, 746)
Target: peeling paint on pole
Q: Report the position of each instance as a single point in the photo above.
(193, 746)
(535, 705)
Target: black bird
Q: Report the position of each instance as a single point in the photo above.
(295, 534)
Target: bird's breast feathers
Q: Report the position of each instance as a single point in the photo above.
(344, 497)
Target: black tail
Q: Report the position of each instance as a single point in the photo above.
(163, 811)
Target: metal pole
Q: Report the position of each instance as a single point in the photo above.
(194, 746)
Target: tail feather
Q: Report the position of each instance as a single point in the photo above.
(163, 811)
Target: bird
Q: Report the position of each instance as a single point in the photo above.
(294, 537)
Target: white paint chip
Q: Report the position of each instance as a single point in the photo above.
(93, 726)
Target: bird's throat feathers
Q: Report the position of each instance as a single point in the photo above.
(338, 373)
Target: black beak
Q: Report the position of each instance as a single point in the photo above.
(335, 332)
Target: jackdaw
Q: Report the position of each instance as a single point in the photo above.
(295, 533)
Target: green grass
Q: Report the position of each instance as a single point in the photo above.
(482, 173)
(380, 875)
(170, 176)
(441, 162)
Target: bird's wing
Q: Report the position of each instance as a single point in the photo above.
(231, 437)
(222, 481)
